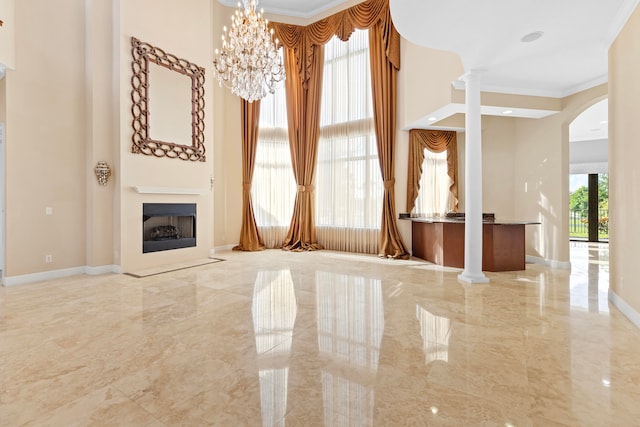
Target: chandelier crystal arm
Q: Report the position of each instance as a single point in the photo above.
(248, 62)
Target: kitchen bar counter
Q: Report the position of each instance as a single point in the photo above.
(441, 241)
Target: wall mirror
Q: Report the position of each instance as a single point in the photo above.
(168, 104)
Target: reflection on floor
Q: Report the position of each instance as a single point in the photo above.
(321, 339)
(589, 281)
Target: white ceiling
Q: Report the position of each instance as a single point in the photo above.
(571, 55)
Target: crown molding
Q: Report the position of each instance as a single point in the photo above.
(623, 15)
(290, 12)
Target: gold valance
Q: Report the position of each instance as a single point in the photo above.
(343, 24)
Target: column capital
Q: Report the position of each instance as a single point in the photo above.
(474, 74)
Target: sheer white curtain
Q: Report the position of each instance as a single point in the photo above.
(349, 188)
(274, 188)
(434, 196)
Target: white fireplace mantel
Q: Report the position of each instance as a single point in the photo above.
(143, 189)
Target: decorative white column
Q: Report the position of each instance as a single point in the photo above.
(473, 182)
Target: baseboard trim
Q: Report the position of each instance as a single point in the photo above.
(105, 269)
(58, 274)
(625, 308)
(40, 277)
(223, 248)
(548, 262)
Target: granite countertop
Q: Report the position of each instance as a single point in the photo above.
(442, 219)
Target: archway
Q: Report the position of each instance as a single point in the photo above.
(588, 174)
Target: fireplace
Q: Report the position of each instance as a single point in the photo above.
(168, 226)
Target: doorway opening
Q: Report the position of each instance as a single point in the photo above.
(589, 207)
(589, 179)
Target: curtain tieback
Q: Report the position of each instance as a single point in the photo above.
(389, 184)
(305, 188)
(246, 186)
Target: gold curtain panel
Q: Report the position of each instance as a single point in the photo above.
(303, 119)
(250, 239)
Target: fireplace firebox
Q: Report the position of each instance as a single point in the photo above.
(167, 226)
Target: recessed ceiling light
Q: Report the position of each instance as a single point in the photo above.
(433, 119)
(531, 37)
(507, 112)
(604, 122)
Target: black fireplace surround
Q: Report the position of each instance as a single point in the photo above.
(168, 226)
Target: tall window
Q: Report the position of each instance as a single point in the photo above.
(434, 196)
(349, 187)
(274, 187)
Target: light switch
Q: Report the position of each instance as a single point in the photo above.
(48, 210)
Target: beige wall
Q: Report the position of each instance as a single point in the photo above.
(505, 100)
(3, 178)
(497, 167)
(227, 152)
(45, 101)
(183, 29)
(424, 81)
(101, 111)
(541, 175)
(7, 33)
(228, 171)
(624, 151)
(3, 100)
(498, 135)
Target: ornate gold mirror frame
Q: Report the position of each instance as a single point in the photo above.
(143, 53)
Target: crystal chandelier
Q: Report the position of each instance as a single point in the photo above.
(249, 63)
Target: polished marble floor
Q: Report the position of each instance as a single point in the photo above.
(321, 339)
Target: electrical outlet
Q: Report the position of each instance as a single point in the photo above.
(48, 258)
(48, 211)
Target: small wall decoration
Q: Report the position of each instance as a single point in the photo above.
(103, 172)
(143, 53)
